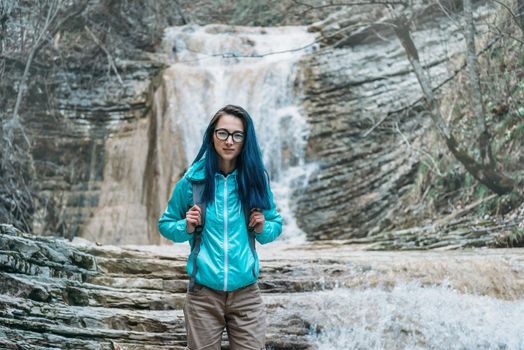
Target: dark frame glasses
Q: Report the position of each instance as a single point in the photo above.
(223, 134)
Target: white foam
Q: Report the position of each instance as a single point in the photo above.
(410, 317)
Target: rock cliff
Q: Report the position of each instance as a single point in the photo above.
(367, 130)
(102, 169)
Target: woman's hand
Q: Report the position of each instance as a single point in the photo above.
(257, 220)
(193, 218)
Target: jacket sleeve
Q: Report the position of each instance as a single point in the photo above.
(273, 223)
(172, 223)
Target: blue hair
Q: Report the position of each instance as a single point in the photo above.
(253, 180)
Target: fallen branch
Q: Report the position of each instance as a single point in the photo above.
(464, 210)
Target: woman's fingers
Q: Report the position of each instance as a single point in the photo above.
(252, 220)
(193, 215)
(192, 221)
(256, 218)
(198, 212)
(195, 218)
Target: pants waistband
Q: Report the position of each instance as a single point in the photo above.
(222, 291)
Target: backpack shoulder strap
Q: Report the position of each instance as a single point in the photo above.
(251, 231)
(251, 238)
(198, 191)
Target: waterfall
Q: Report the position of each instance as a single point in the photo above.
(255, 68)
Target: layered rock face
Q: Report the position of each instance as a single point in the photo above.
(55, 294)
(368, 134)
(81, 99)
(90, 164)
(111, 155)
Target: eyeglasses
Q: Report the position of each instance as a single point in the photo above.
(223, 134)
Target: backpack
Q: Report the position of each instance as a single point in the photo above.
(198, 191)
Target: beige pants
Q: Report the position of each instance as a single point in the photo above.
(242, 312)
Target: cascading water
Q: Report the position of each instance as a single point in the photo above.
(252, 67)
(409, 316)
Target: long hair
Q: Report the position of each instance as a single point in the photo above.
(253, 180)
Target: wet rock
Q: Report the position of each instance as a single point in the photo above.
(75, 296)
(133, 296)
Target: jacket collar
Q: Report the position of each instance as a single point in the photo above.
(197, 171)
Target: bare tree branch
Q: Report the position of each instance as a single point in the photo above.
(180, 12)
(109, 57)
(14, 122)
(353, 3)
(402, 30)
(477, 102)
(519, 18)
(501, 33)
(520, 14)
(436, 88)
(54, 27)
(419, 150)
(237, 55)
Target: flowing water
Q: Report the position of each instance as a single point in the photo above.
(410, 316)
(252, 67)
(440, 300)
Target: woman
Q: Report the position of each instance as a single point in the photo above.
(221, 206)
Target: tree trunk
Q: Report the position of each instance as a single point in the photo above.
(520, 14)
(476, 101)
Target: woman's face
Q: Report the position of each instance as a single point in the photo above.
(228, 149)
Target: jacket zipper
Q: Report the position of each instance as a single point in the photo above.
(225, 235)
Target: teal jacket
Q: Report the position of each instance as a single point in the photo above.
(225, 261)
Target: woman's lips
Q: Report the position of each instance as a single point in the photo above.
(228, 150)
